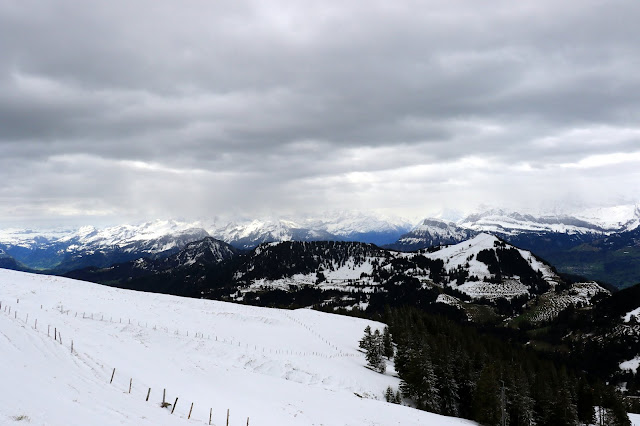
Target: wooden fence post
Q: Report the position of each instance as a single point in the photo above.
(55, 333)
(247, 421)
(174, 405)
(48, 328)
(112, 374)
(36, 325)
(164, 392)
(210, 413)
(72, 346)
(227, 417)
(190, 410)
(148, 393)
(130, 383)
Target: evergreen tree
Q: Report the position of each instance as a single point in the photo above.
(374, 353)
(387, 343)
(388, 395)
(448, 389)
(564, 408)
(585, 403)
(366, 341)
(521, 403)
(486, 401)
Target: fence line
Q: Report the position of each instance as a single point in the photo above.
(58, 338)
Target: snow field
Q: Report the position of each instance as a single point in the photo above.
(273, 366)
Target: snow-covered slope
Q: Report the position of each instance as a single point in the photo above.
(272, 366)
(616, 218)
(481, 281)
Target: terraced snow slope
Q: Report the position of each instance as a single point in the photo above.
(276, 367)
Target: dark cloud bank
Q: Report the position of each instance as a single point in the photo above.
(119, 110)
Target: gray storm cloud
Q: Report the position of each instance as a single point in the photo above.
(154, 108)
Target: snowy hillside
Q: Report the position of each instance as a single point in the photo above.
(274, 367)
(482, 267)
(481, 280)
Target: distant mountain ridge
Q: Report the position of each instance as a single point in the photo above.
(63, 250)
(483, 267)
(554, 237)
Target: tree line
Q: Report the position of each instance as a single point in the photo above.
(452, 369)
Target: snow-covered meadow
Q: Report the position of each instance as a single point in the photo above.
(273, 367)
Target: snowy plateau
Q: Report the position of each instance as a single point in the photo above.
(63, 341)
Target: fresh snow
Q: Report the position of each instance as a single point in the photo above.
(276, 367)
(625, 217)
(632, 364)
(635, 312)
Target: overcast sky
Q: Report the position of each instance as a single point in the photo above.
(125, 110)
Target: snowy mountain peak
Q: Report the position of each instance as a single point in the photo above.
(432, 232)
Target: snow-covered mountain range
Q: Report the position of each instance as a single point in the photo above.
(67, 249)
(330, 226)
(508, 224)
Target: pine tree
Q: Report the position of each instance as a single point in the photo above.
(366, 341)
(486, 403)
(387, 343)
(448, 390)
(564, 408)
(522, 404)
(428, 396)
(374, 353)
(388, 395)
